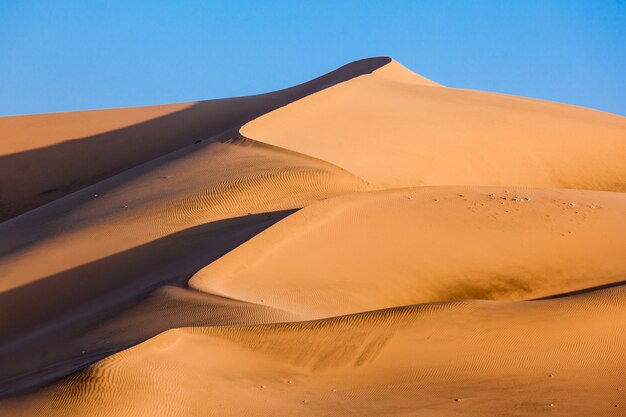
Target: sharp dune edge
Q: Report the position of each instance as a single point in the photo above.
(94, 145)
(367, 243)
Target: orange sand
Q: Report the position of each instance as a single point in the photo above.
(367, 243)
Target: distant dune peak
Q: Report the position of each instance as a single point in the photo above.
(393, 129)
(45, 142)
(397, 72)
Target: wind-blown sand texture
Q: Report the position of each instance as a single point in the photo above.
(366, 243)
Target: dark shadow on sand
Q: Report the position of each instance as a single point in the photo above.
(42, 322)
(26, 182)
(581, 291)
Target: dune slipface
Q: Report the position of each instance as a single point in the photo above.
(367, 243)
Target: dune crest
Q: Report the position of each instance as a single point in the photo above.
(91, 146)
(401, 134)
(395, 71)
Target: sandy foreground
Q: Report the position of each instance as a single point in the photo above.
(367, 243)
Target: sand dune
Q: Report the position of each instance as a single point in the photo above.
(93, 145)
(394, 132)
(58, 351)
(366, 243)
(180, 190)
(403, 361)
(385, 249)
(153, 225)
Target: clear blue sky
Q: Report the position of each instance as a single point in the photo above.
(69, 55)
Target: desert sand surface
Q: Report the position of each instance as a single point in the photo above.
(421, 246)
(366, 243)
(91, 146)
(396, 131)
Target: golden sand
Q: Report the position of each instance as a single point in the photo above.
(368, 243)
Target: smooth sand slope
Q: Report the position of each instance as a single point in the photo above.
(373, 243)
(390, 248)
(394, 131)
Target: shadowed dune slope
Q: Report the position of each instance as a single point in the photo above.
(181, 190)
(394, 132)
(62, 348)
(64, 152)
(101, 248)
(391, 248)
(447, 359)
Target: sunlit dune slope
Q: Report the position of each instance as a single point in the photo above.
(385, 249)
(562, 357)
(396, 132)
(64, 152)
(395, 71)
